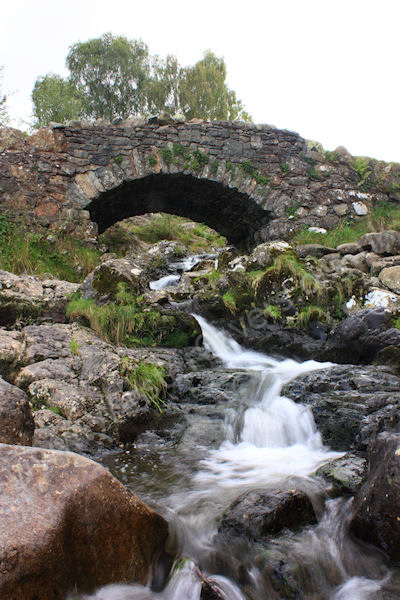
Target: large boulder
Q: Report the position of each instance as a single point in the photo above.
(16, 421)
(383, 242)
(376, 507)
(67, 524)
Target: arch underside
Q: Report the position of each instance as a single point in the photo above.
(233, 214)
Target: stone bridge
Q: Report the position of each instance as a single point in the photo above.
(249, 182)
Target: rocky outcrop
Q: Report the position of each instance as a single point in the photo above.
(16, 421)
(376, 507)
(351, 405)
(79, 386)
(25, 297)
(67, 524)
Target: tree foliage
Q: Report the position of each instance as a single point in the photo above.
(3, 107)
(111, 73)
(113, 77)
(55, 99)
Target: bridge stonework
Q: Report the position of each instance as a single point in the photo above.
(249, 182)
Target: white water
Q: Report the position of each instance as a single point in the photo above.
(177, 268)
(277, 441)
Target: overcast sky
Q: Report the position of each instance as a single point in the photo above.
(329, 70)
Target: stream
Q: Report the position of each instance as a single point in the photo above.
(262, 441)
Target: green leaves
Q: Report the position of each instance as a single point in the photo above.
(114, 77)
(111, 73)
(56, 99)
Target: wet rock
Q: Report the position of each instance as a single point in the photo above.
(362, 336)
(261, 513)
(390, 277)
(383, 242)
(16, 421)
(346, 474)
(376, 506)
(67, 524)
(351, 405)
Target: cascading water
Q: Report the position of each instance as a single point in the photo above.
(271, 442)
(177, 268)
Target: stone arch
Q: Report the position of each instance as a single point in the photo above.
(229, 204)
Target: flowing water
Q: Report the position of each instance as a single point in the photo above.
(266, 441)
(176, 269)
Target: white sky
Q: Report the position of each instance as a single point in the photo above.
(328, 69)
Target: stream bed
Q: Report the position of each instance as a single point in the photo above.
(254, 439)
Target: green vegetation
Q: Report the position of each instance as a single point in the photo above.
(314, 174)
(272, 312)
(60, 255)
(127, 321)
(290, 211)
(310, 313)
(331, 156)
(287, 264)
(152, 160)
(383, 216)
(229, 302)
(55, 99)
(74, 346)
(114, 77)
(284, 167)
(147, 379)
(118, 159)
(166, 154)
(362, 167)
(163, 226)
(3, 107)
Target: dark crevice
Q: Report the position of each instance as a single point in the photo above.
(233, 214)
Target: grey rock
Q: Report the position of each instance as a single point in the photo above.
(16, 421)
(375, 511)
(384, 242)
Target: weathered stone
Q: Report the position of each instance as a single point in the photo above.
(263, 255)
(384, 242)
(350, 248)
(316, 250)
(390, 277)
(25, 296)
(67, 524)
(376, 507)
(16, 421)
(96, 166)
